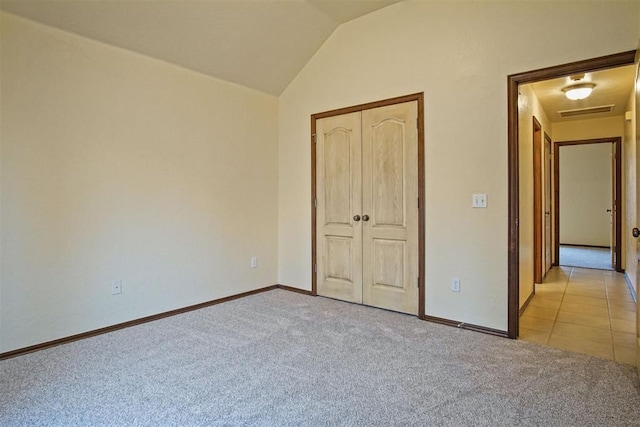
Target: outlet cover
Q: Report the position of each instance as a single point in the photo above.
(116, 287)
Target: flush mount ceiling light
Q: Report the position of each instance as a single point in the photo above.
(580, 90)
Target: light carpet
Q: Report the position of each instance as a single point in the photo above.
(283, 359)
(587, 257)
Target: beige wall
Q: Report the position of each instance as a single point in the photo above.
(459, 54)
(528, 107)
(585, 194)
(119, 166)
(588, 129)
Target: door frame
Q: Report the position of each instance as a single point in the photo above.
(548, 196)
(513, 181)
(617, 172)
(419, 97)
(537, 203)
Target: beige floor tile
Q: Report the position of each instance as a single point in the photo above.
(541, 312)
(544, 290)
(531, 335)
(619, 296)
(584, 320)
(625, 355)
(615, 283)
(587, 277)
(629, 316)
(536, 323)
(622, 305)
(571, 330)
(585, 309)
(588, 271)
(578, 299)
(619, 278)
(582, 346)
(586, 292)
(549, 295)
(619, 287)
(541, 301)
(624, 339)
(596, 286)
(623, 326)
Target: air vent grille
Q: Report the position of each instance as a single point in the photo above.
(589, 110)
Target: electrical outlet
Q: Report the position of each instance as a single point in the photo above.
(455, 284)
(116, 287)
(254, 262)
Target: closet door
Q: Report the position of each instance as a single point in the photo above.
(390, 207)
(338, 216)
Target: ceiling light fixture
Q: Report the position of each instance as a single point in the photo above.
(580, 91)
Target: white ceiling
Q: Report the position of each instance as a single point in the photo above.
(261, 44)
(613, 86)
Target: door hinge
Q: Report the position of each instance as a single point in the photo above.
(315, 268)
(418, 280)
(315, 203)
(418, 202)
(313, 135)
(417, 123)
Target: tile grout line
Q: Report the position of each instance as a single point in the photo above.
(606, 293)
(555, 320)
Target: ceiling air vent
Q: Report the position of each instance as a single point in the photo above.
(589, 110)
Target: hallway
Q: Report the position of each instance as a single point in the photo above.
(583, 310)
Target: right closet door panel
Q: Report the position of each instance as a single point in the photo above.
(390, 202)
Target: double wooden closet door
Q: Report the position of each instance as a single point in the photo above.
(367, 207)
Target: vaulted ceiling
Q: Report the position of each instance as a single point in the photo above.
(261, 44)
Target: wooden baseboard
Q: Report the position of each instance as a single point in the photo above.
(107, 329)
(292, 289)
(468, 326)
(631, 289)
(526, 303)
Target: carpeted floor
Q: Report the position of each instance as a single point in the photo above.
(587, 257)
(285, 359)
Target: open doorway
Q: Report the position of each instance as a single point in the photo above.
(521, 204)
(588, 202)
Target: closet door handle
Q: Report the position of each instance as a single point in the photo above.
(365, 217)
(356, 218)
(635, 232)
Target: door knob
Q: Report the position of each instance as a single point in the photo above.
(609, 210)
(635, 232)
(356, 218)
(365, 217)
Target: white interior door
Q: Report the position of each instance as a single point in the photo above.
(367, 207)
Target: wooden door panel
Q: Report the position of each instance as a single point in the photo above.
(389, 198)
(389, 261)
(387, 146)
(339, 236)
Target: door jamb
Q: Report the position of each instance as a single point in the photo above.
(548, 173)
(617, 141)
(513, 183)
(419, 97)
(537, 203)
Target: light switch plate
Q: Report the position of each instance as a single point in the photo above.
(479, 200)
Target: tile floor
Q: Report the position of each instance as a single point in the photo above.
(583, 310)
